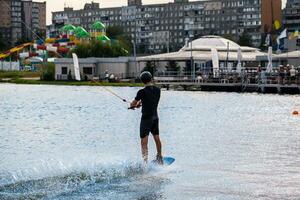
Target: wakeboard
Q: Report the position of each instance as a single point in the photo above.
(167, 161)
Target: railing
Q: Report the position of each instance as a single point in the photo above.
(117, 76)
(244, 78)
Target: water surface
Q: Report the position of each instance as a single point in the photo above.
(63, 142)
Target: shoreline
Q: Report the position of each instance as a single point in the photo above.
(70, 83)
(285, 90)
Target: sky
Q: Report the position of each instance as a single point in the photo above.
(58, 5)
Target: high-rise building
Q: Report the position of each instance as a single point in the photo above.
(291, 15)
(34, 18)
(5, 21)
(158, 27)
(20, 19)
(39, 17)
(16, 21)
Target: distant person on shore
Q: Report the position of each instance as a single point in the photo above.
(292, 75)
(106, 75)
(148, 98)
(281, 74)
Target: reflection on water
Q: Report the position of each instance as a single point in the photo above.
(62, 142)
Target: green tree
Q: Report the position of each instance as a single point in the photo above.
(125, 42)
(114, 32)
(150, 67)
(96, 48)
(117, 33)
(245, 39)
(173, 67)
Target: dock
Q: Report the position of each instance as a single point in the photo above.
(268, 85)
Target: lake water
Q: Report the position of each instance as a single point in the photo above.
(61, 142)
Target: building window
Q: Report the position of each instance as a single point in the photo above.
(64, 70)
(88, 70)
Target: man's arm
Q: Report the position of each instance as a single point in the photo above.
(137, 102)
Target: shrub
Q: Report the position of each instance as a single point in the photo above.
(173, 67)
(48, 72)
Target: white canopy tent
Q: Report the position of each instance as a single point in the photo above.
(201, 50)
(203, 55)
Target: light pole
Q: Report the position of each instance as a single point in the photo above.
(192, 60)
(227, 56)
(168, 41)
(134, 40)
(187, 40)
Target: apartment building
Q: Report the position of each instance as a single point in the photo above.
(291, 15)
(5, 19)
(19, 19)
(160, 27)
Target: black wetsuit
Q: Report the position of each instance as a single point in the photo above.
(149, 96)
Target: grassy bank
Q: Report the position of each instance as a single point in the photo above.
(71, 83)
(18, 74)
(23, 77)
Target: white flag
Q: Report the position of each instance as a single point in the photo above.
(283, 34)
(76, 67)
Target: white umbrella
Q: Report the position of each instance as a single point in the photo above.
(215, 61)
(239, 58)
(270, 64)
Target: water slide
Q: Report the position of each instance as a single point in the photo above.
(60, 48)
(13, 50)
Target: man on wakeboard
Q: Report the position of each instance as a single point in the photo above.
(148, 99)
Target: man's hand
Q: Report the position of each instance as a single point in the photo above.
(139, 104)
(135, 104)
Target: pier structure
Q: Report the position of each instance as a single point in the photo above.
(260, 82)
(218, 64)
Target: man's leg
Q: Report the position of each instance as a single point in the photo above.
(144, 146)
(159, 158)
(155, 133)
(158, 144)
